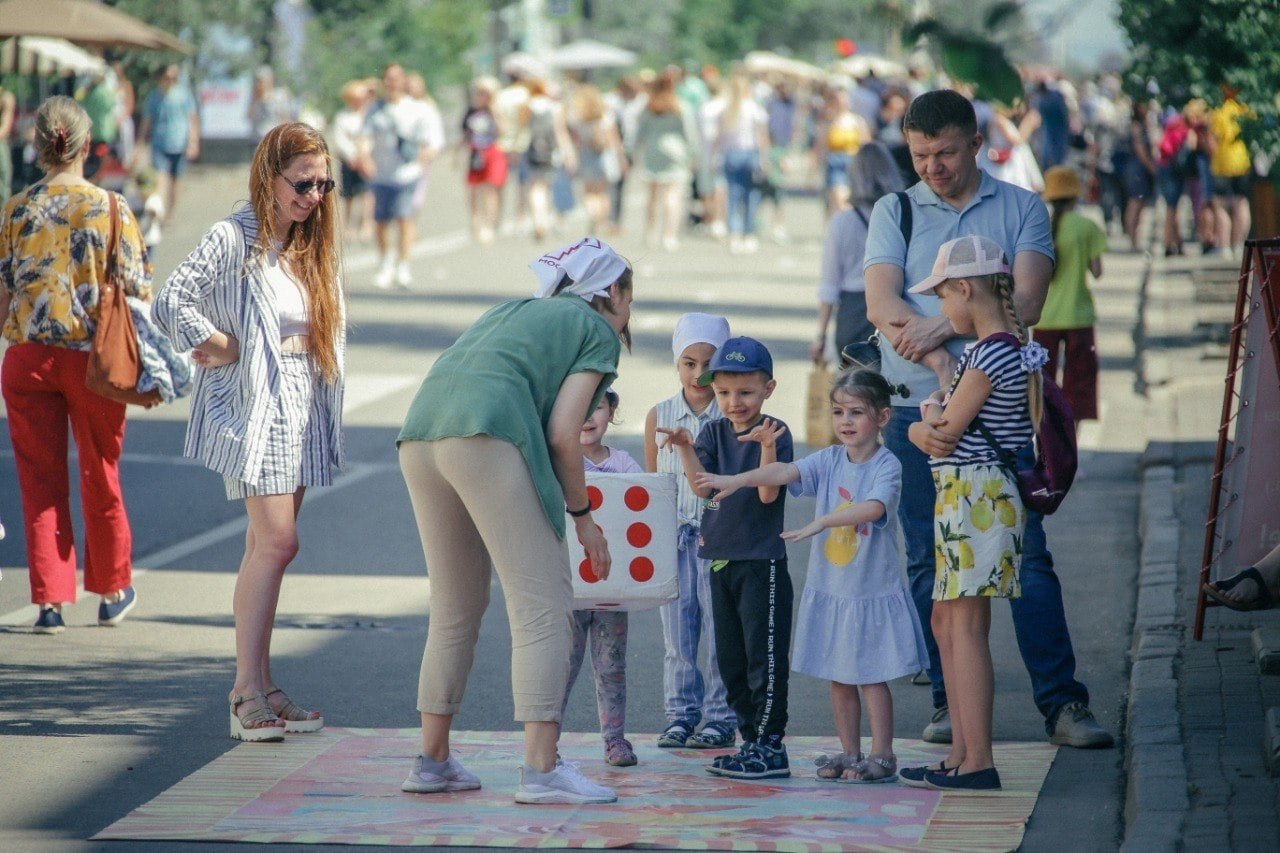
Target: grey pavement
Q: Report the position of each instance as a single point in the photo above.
(1197, 720)
(95, 722)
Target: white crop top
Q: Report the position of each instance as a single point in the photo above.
(290, 301)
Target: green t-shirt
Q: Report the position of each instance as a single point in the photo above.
(100, 104)
(501, 378)
(1069, 304)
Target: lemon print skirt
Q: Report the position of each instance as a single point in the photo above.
(978, 520)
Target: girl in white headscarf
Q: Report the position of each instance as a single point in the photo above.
(492, 434)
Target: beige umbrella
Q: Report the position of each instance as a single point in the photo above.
(83, 22)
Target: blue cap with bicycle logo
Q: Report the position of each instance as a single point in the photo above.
(739, 355)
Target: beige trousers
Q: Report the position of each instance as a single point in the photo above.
(474, 499)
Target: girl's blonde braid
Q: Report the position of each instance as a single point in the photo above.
(1035, 381)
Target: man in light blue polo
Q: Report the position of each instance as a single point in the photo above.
(918, 348)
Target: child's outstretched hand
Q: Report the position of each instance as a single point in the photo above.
(724, 484)
(813, 528)
(767, 432)
(676, 437)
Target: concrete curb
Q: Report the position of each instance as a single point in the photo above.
(1156, 798)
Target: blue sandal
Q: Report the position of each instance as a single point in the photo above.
(712, 736)
(677, 733)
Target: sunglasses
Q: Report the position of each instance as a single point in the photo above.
(304, 187)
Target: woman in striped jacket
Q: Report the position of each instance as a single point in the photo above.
(260, 305)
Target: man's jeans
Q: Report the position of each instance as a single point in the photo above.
(1039, 621)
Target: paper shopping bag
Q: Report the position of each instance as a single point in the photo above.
(818, 431)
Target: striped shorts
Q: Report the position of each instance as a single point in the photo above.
(298, 451)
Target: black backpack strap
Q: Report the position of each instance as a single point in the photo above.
(905, 223)
(1006, 458)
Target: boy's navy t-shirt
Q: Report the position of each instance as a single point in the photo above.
(740, 527)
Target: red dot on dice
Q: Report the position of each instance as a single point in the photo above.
(637, 498)
(639, 535)
(594, 497)
(587, 573)
(641, 569)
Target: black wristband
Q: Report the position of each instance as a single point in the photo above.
(579, 513)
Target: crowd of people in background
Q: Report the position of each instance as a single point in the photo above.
(709, 147)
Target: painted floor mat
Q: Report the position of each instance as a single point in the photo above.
(342, 786)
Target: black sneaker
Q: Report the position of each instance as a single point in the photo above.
(49, 622)
(755, 761)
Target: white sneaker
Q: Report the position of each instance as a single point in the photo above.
(449, 776)
(564, 784)
(386, 271)
(750, 246)
(403, 276)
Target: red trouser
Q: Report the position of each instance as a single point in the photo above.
(1078, 367)
(43, 391)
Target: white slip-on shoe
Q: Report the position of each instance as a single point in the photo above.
(433, 777)
(564, 784)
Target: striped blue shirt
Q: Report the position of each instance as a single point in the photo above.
(671, 413)
(1005, 413)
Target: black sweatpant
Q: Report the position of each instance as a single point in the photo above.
(751, 607)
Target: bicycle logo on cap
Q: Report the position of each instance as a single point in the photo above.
(735, 356)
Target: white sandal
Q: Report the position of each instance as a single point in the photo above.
(260, 725)
(874, 769)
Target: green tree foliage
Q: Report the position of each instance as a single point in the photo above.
(190, 19)
(975, 55)
(1189, 48)
(721, 31)
(356, 38)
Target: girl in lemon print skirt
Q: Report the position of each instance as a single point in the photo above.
(995, 399)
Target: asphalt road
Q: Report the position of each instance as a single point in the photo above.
(95, 722)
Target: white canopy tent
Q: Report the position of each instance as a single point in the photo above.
(767, 62)
(44, 55)
(585, 54)
(859, 65)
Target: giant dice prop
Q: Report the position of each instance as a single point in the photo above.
(638, 515)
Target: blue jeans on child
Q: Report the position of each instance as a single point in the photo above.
(1039, 620)
(687, 693)
(744, 197)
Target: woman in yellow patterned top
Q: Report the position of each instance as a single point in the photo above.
(844, 133)
(53, 240)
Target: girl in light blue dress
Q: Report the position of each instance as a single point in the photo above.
(857, 626)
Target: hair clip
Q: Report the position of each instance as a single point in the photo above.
(1034, 356)
(60, 140)
(901, 390)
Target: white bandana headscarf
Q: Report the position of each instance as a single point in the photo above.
(592, 265)
(696, 328)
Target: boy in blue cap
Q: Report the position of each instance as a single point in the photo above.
(751, 592)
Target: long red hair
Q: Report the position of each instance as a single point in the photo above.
(311, 245)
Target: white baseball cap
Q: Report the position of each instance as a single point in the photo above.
(964, 257)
